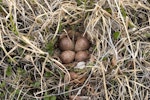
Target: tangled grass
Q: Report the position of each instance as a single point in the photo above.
(119, 67)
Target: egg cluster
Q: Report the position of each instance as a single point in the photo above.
(74, 50)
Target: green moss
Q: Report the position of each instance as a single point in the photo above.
(12, 26)
(36, 84)
(147, 35)
(9, 71)
(50, 46)
(52, 98)
(78, 2)
(9, 60)
(20, 71)
(2, 85)
(2, 95)
(109, 10)
(123, 11)
(49, 97)
(17, 91)
(116, 35)
(48, 74)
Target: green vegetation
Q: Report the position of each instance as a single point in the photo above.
(117, 68)
(9, 71)
(116, 35)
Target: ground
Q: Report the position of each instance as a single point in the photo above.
(119, 64)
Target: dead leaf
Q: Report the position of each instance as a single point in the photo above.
(114, 61)
(66, 78)
(73, 75)
(80, 65)
(73, 97)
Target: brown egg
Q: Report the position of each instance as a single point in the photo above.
(66, 44)
(82, 44)
(73, 34)
(81, 56)
(67, 56)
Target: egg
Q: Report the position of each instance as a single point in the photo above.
(66, 44)
(67, 56)
(81, 44)
(81, 56)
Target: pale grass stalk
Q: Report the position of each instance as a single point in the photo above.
(104, 80)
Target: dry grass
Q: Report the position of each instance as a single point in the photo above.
(119, 68)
